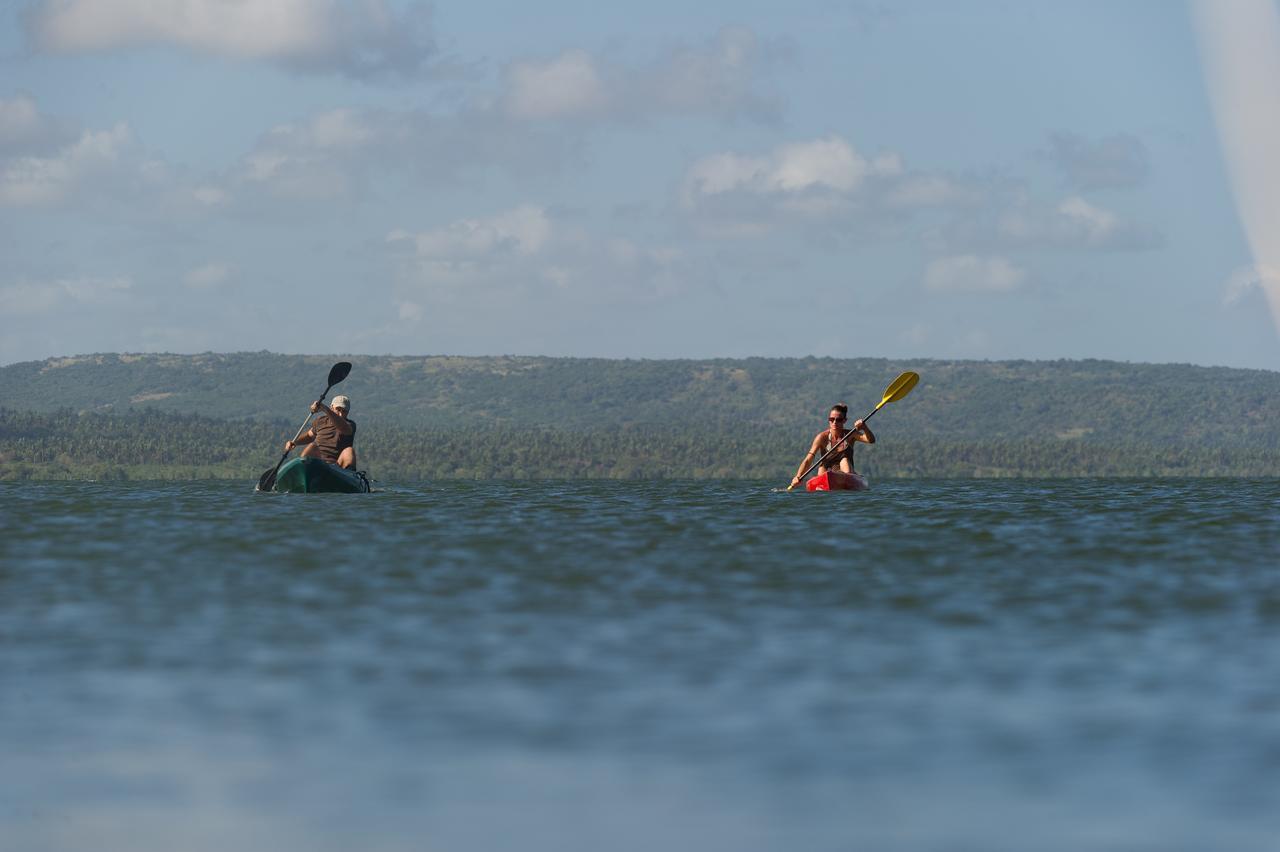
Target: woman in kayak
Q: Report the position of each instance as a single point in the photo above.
(331, 437)
(839, 465)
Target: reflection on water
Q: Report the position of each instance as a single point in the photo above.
(946, 665)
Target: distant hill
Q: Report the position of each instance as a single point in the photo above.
(149, 445)
(956, 401)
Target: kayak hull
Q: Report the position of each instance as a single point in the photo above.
(313, 476)
(838, 481)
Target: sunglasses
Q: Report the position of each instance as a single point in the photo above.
(836, 419)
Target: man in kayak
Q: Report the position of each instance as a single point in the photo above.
(839, 465)
(331, 437)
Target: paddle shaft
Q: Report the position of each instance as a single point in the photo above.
(300, 431)
(307, 421)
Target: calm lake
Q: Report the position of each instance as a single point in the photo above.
(947, 665)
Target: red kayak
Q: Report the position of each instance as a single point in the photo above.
(834, 480)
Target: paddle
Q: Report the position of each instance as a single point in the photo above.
(336, 374)
(901, 387)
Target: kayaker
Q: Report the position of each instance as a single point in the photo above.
(332, 435)
(838, 465)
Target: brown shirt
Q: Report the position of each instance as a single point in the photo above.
(329, 441)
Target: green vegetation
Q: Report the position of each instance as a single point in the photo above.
(179, 416)
(159, 445)
(1091, 401)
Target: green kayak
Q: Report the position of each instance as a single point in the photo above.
(311, 476)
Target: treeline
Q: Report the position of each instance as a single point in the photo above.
(159, 445)
(1100, 402)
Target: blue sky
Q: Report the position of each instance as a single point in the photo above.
(984, 180)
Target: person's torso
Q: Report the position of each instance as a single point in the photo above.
(844, 452)
(329, 441)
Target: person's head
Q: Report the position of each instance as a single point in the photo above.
(838, 415)
(341, 404)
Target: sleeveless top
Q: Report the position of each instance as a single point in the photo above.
(846, 452)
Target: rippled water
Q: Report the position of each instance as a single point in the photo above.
(957, 665)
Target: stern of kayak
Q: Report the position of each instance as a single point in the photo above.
(313, 476)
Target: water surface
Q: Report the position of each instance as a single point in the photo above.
(953, 665)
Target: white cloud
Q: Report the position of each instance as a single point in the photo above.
(210, 196)
(32, 298)
(973, 274)
(523, 230)
(40, 180)
(920, 191)
(360, 38)
(409, 311)
(1094, 224)
(18, 117)
(22, 127)
(478, 252)
(314, 159)
(826, 162)
(717, 78)
(525, 251)
(1248, 280)
(559, 277)
(1074, 224)
(47, 162)
(208, 276)
(724, 172)
(339, 128)
(820, 182)
(263, 165)
(1112, 162)
(336, 154)
(567, 85)
(830, 164)
(336, 130)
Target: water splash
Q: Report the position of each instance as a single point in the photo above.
(1240, 49)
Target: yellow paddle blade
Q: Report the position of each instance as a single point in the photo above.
(901, 387)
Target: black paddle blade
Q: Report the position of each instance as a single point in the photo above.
(267, 481)
(339, 372)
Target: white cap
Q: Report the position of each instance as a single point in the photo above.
(341, 402)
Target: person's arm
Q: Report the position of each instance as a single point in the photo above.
(339, 422)
(808, 460)
(305, 438)
(863, 433)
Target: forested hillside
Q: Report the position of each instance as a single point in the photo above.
(1094, 402)
(160, 445)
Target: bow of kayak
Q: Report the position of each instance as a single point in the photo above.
(313, 476)
(834, 480)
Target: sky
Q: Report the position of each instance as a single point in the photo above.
(957, 179)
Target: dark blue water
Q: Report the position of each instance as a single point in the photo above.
(961, 665)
